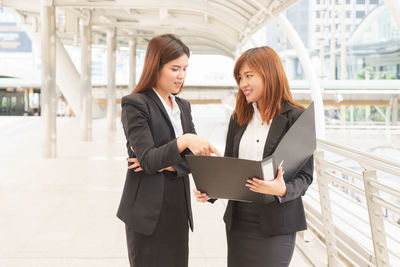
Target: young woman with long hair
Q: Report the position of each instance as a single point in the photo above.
(158, 126)
(260, 235)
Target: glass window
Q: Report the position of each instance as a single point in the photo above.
(348, 14)
(13, 102)
(4, 102)
(348, 27)
(360, 14)
(348, 2)
(374, 2)
(360, 2)
(317, 28)
(318, 14)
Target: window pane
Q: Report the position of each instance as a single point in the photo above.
(360, 14)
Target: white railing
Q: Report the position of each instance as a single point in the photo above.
(353, 209)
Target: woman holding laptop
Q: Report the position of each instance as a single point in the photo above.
(261, 235)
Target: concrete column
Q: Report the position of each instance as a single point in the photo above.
(132, 64)
(343, 114)
(322, 39)
(395, 106)
(343, 40)
(48, 87)
(86, 80)
(333, 41)
(111, 94)
(367, 113)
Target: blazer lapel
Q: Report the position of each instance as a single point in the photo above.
(236, 139)
(184, 119)
(274, 134)
(276, 130)
(160, 105)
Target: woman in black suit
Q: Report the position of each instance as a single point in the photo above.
(261, 235)
(155, 203)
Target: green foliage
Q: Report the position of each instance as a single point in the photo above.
(375, 115)
(359, 113)
(370, 73)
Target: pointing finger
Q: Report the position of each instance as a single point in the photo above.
(215, 151)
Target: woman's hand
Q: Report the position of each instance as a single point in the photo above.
(135, 166)
(276, 187)
(170, 169)
(200, 197)
(198, 145)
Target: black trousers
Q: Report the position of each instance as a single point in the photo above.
(168, 245)
(248, 246)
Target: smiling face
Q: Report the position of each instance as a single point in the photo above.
(172, 76)
(251, 84)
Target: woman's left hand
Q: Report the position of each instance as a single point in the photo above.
(135, 164)
(170, 168)
(276, 187)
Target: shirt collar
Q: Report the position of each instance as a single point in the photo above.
(175, 107)
(257, 114)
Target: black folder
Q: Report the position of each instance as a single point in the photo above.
(225, 177)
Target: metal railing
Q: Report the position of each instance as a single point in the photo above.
(353, 208)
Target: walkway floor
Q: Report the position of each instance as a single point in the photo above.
(61, 212)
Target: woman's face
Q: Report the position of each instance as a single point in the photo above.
(172, 75)
(251, 84)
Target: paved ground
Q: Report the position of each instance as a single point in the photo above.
(61, 212)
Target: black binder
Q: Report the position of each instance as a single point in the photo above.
(225, 177)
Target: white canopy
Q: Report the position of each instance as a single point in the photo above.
(207, 26)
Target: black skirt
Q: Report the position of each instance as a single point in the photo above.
(168, 245)
(248, 246)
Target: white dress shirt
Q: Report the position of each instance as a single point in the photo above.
(174, 114)
(253, 140)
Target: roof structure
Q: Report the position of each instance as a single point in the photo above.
(208, 26)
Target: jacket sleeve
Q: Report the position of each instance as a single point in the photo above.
(136, 122)
(298, 185)
(182, 168)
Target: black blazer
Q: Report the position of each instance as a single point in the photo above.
(149, 131)
(286, 216)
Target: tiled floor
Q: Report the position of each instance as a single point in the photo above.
(61, 212)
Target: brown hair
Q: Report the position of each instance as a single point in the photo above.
(265, 62)
(160, 50)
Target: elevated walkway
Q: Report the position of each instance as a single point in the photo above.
(61, 212)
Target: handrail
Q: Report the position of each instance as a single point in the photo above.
(364, 184)
(386, 188)
(364, 156)
(342, 169)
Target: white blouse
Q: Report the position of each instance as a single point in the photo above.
(174, 114)
(253, 140)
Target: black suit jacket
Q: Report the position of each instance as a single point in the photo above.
(149, 131)
(286, 216)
